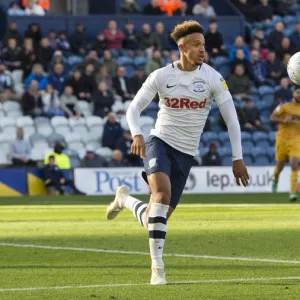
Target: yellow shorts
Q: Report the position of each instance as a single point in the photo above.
(287, 148)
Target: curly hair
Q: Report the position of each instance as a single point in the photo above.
(187, 27)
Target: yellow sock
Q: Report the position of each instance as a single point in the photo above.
(276, 174)
(294, 179)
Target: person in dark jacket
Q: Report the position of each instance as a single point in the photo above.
(92, 160)
(253, 116)
(34, 32)
(58, 78)
(162, 37)
(29, 57)
(283, 94)
(211, 158)
(130, 41)
(136, 82)
(13, 32)
(45, 53)
(257, 69)
(54, 178)
(274, 67)
(120, 84)
(214, 40)
(100, 44)
(79, 40)
(12, 55)
(103, 100)
(62, 42)
(263, 12)
(276, 36)
(77, 83)
(112, 132)
(153, 9)
(31, 101)
(130, 7)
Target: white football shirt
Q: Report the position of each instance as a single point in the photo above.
(185, 100)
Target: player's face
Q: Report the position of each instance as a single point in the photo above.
(296, 95)
(193, 48)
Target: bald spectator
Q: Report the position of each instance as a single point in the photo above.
(114, 37)
(79, 40)
(12, 55)
(155, 63)
(37, 74)
(203, 9)
(130, 7)
(120, 84)
(112, 132)
(295, 37)
(239, 44)
(276, 36)
(117, 160)
(152, 8)
(31, 101)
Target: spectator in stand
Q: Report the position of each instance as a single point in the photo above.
(260, 35)
(103, 75)
(114, 37)
(58, 78)
(239, 44)
(274, 67)
(69, 103)
(136, 82)
(153, 9)
(6, 85)
(214, 40)
(34, 32)
(211, 158)
(92, 160)
(241, 60)
(130, 7)
(37, 74)
(285, 61)
(102, 100)
(12, 55)
(21, 151)
(116, 160)
(13, 32)
(110, 63)
(239, 84)
(163, 37)
(34, 9)
(253, 116)
(15, 10)
(169, 6)
(63, 43)
(77, 83)
(45, 54)
(91, 59)
(120, 84)
(45, 4)
(58, 58)
(31, 101)
(130, 41)
(124, 145)
(183, 11)
(263, 12)
(276, 36)
(112, 132)
(155, 63)
(258, 69)
(29, 57)
(283, 94)
(255, 45)
(285, 48)
(52, 39)
(295, 37)
(147, 39)
(89, 82)
(100, 44)
(62, 160)
(204, 9)
(79, 40)
(51, 103)
(246, 8)
(174, 56)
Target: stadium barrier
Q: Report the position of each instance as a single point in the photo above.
(104, 181)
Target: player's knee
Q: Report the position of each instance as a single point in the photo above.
(161, 197)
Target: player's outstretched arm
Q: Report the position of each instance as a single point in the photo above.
(275, 117)
(142, 99)
(229, 115)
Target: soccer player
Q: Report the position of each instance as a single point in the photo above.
(186, 89)
(288, 141)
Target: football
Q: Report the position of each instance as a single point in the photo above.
(293, 68)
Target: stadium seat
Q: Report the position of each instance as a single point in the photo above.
(14, 113)
(2, 114)
(78, 147)
(7, 121)
(11, 106)
(24, 121)
(93, 121)
(56, 138)
(123, 122)
(272, 136)
(271, 153)
(41, 120)
(105, 152)
(262, 160)
(44, 128)
(59, 120)
(28, 130)
(93, 145)
(17, 76)
(63, 129)
(10, 130)
(262, 143)
(223, 136)
(130, 70)
(140, 61)
(246, 136)
(248, 159)
(37, 139)
(260, 135)
(126, 104)
(146, 129)
(224, 151)
(37, 154)
(145, 120)
(97, 131)
(265, 89)
(4, 158)
(227, 160)
(124, 61)
(84, 106)
(257, 151)
(208, 136)
(72, 137)
(118, 107)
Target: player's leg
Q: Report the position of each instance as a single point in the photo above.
(280, 156)
(160, 186)
(277, 170)
(294, 163)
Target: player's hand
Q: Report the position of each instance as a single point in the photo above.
(138, 146)
(240, 172)
(288, 119)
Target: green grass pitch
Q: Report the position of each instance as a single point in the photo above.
(214, 232)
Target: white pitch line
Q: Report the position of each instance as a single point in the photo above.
(237, 280)
(266, 260)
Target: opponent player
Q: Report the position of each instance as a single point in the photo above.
(288, 141)
(186, 89)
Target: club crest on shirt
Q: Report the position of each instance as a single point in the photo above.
(152, 162)
(224, 84)
(198, 86)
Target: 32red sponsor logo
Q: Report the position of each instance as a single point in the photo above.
(184, 103)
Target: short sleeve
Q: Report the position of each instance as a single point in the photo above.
(279, 110)
(219, 88)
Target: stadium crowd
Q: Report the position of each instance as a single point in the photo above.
(74, 90)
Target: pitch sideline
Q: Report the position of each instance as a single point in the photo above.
(266, 260)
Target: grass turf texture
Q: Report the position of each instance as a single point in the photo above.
(254, 231)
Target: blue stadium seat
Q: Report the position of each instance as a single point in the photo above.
(262, 143)
(260, 135)
(130, 70)
(246, 136)
(265, 89)
(209, 135)
(227, 161)
(272, 136)
(271, 153)
(220, 60)
(223, 136)
(265, 112)
(224, 151)
(248, 159)
(226, 143)
(224, 70)
(290, 20)
(262, 160)
(256, 151)
(268, 99)
(124, 61)
(140, 61)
